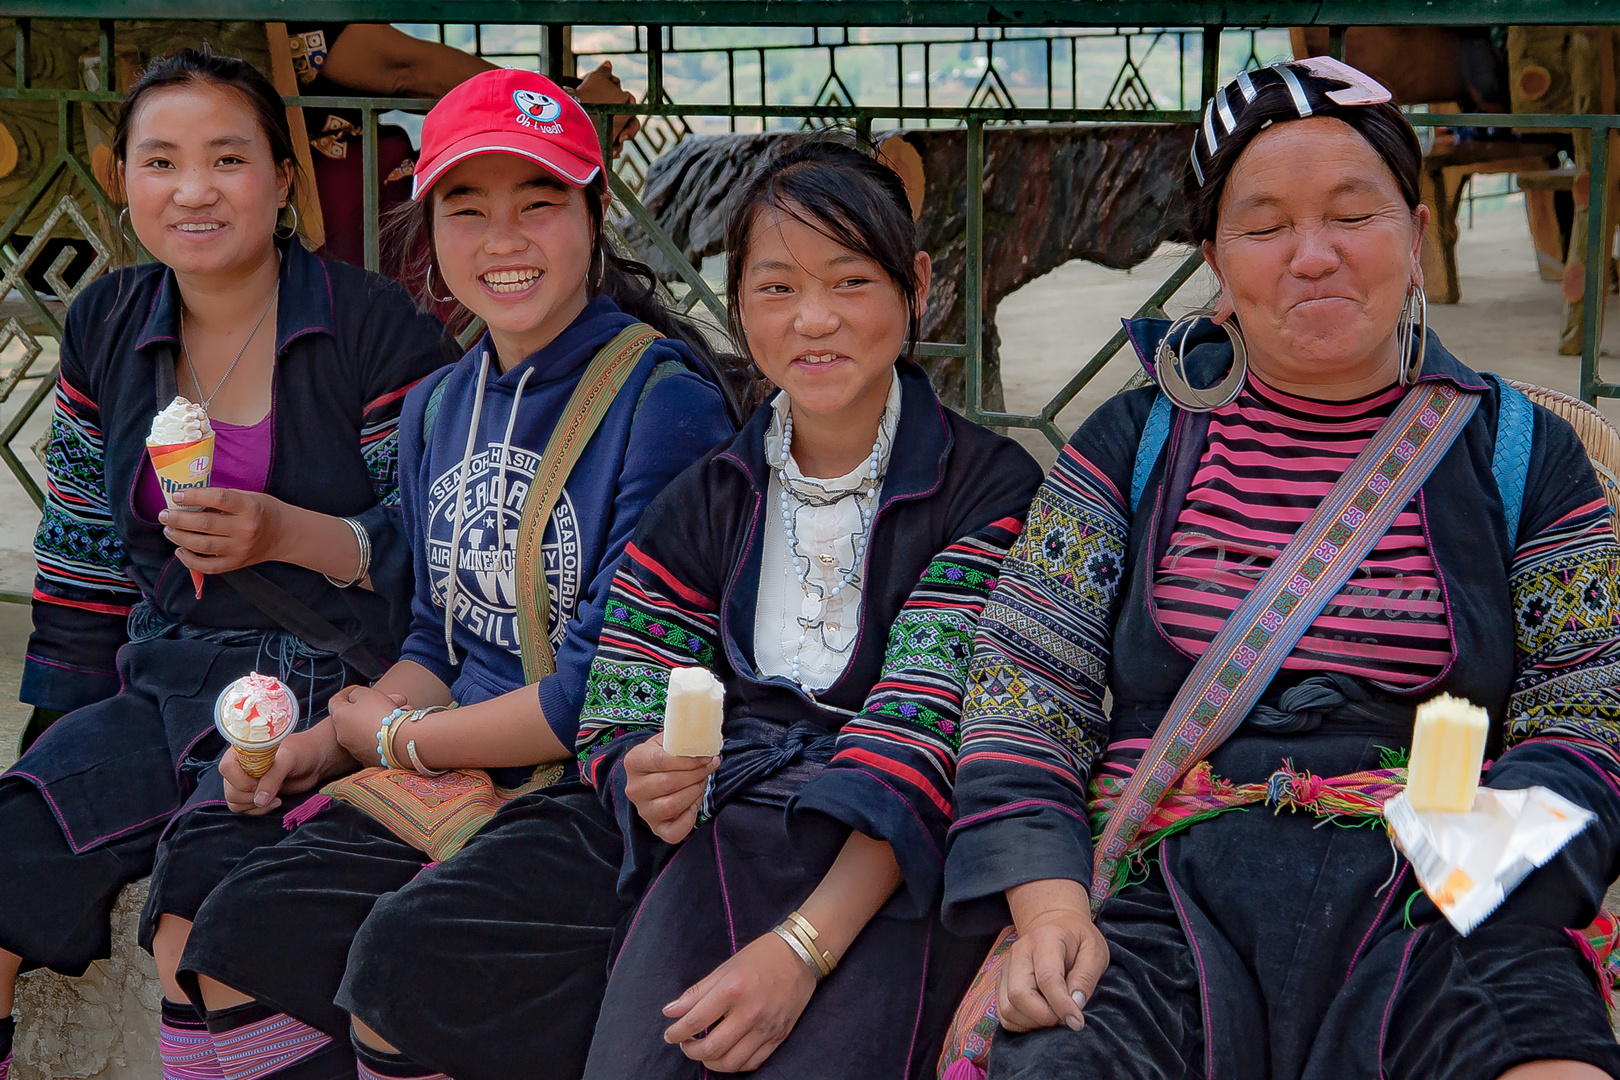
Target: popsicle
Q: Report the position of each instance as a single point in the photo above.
(692, 713)
(1448, 747)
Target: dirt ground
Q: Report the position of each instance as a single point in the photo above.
(1508, 322)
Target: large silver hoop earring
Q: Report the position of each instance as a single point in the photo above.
(124, 232)
(451, 299)
(1412, 336)
(1169, 369)
(292, 230)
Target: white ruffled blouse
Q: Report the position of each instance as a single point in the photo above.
(827, 538)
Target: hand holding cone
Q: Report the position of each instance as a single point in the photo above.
(255, 713)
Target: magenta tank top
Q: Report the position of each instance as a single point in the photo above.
(241, 461)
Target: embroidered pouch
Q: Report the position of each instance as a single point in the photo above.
(434, 814)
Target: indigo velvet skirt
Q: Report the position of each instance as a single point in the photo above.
(881, 1015)
(1275, 946)
(486, 966)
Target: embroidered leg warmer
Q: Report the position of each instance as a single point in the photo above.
(184, 1044)
(374, 1064)
(251, 1041)
(8, 1027)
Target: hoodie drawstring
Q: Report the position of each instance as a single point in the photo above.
(461, 495)
(460, 515)
(506, 450)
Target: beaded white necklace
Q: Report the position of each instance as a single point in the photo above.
(812, 607)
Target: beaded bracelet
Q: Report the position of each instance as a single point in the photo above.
(385, 740)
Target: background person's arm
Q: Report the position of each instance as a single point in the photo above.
(375, 58)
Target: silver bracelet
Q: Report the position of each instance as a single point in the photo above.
(804, 954)
(410, 744)
(362, 538)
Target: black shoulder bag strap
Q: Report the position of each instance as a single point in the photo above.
(289, 612)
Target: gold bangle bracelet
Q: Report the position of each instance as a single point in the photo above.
(823, 960)
(388, 741)
(810, 936)
(793, 943)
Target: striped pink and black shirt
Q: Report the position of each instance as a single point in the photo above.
(1270, 459)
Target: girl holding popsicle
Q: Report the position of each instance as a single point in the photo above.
(828, 568)
(524, 470)
(298, 368)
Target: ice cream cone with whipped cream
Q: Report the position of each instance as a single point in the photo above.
(181, 445)
(255, 713)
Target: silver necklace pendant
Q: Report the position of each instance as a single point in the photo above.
(810, 609)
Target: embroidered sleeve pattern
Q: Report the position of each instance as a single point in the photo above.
(1040, 663)
(81, 559)
(908, 734)
(652, 624)
(379, 445)
(1565, 584)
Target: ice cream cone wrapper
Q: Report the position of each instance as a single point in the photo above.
(257, 762)
(180, 466)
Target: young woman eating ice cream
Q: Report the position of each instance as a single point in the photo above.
(298, 368)
(525, 469)
(828, 567)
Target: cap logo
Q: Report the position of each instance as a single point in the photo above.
(537, 110)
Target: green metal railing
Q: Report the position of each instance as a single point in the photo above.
(1056, 27)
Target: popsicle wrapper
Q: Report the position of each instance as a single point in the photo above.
(180, 466)
(1469, 863)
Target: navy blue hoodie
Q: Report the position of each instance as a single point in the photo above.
(634, 453)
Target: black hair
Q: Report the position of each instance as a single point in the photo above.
(844, 192)
(632, 285)
(1382, 126)
(204, 65)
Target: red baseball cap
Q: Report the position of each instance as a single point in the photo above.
(508, 112)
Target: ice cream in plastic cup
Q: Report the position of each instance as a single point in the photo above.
(181, 446)
(255, 713)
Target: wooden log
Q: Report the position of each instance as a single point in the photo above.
(1107, 193)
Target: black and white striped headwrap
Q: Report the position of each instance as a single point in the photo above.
(1221, 112)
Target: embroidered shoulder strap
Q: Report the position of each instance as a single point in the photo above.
(430, 411)
(586, 407)
(1510, 463)
(1154, 434)
(1255, 640)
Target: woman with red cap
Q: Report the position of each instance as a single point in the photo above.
(524, 470)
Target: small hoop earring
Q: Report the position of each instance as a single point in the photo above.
(1413, 330)
(451, 299)
(1169, 369)
(292, 230)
